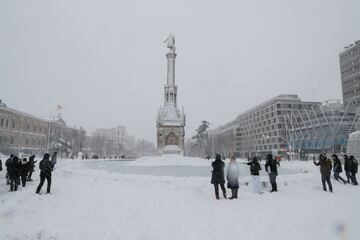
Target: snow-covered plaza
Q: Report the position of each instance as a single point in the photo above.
(97, 199)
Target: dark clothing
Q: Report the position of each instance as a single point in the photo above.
(272, 164)
(353, 171)
(272, 177)
(43, 176)
(337, 169)
(337, 165)
(325, 170)
(217, 190)
(24, 172)
(327, 180)
(31, 167)
(46, 168)
(254, 168)
(338, 177)
(325, 166)
(13, 167)
(0, 165)
(217, 176)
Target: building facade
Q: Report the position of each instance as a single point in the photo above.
(259, 130)
(350, 73)
(25, 133)
(117, 135)
(170, 121)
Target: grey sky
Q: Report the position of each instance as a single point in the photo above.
(104, 61)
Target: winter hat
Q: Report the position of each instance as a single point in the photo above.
(269, 157)
(255, 159)
(46, 156)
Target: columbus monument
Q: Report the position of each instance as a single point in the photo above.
(170, 121)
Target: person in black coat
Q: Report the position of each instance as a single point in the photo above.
(7, 162)
(325, 170)
(272, 164)
(337, 169)
(13, 166)
(24, 169)
(46, 167)
(255, 174)
(31, 167)
(347, 166)
(0, 165)
(217, 176)
(353, 170)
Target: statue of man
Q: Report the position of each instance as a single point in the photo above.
(171, 42)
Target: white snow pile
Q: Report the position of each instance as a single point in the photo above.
(88, 204)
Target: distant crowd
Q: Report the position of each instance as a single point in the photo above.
(232, 175)
(20, 170)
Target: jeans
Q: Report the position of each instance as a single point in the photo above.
(217, 189)
(256, 183)
(324, 180)
(272, 177)
(44, 176)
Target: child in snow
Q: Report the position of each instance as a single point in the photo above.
(232, 176)
(254, 171)
(217, 176)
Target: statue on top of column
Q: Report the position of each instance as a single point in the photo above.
(171, 42)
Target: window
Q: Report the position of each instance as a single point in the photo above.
(13, 123)
(7, 123)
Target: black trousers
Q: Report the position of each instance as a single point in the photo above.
(272, 178)
(348, 176)
(44, 176)
(353, 179)
(216, 185)
(324, 180)
(23, 180)
(14, 182)
(337, 177)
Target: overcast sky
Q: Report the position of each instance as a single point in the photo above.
(104, 61)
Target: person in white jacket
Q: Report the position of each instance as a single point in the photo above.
(232, 176)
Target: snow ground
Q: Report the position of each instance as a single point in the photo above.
(96, 204)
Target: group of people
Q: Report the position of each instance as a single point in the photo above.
(20, 170)
(218, 176)
(232, 175)
(350, 167)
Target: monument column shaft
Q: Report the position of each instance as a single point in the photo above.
(171, 68)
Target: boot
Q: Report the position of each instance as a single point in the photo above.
(224, 193)
(272, 188)
(232, 194)
(236, 192)
(275, 187)
(217, 196)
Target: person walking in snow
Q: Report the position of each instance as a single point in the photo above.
(272, 164)
(255, 175)
(46, 167)
(232, 176)
(347, 166)
(24, 169)
(325, 170)
(337, 169)
(7, 162)
(13, 167)
(217, 176)
(353, 169)
(31, 167)
(0, 165)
